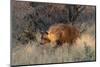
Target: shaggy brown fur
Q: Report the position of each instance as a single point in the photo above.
(60, 33)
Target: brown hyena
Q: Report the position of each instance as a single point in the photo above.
(60, 33)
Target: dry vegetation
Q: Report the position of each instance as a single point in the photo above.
(34, 53)
(28, 19)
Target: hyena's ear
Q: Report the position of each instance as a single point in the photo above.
(46, 32)
(42, 32)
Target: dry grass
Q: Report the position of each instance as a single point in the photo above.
(34, 53)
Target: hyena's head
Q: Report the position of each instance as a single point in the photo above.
(44, 38)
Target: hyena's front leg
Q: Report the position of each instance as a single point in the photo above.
(56, 44)
(53, 44)
(59, 43)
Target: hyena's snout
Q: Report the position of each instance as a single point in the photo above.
(44, 38)
(44, 41)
